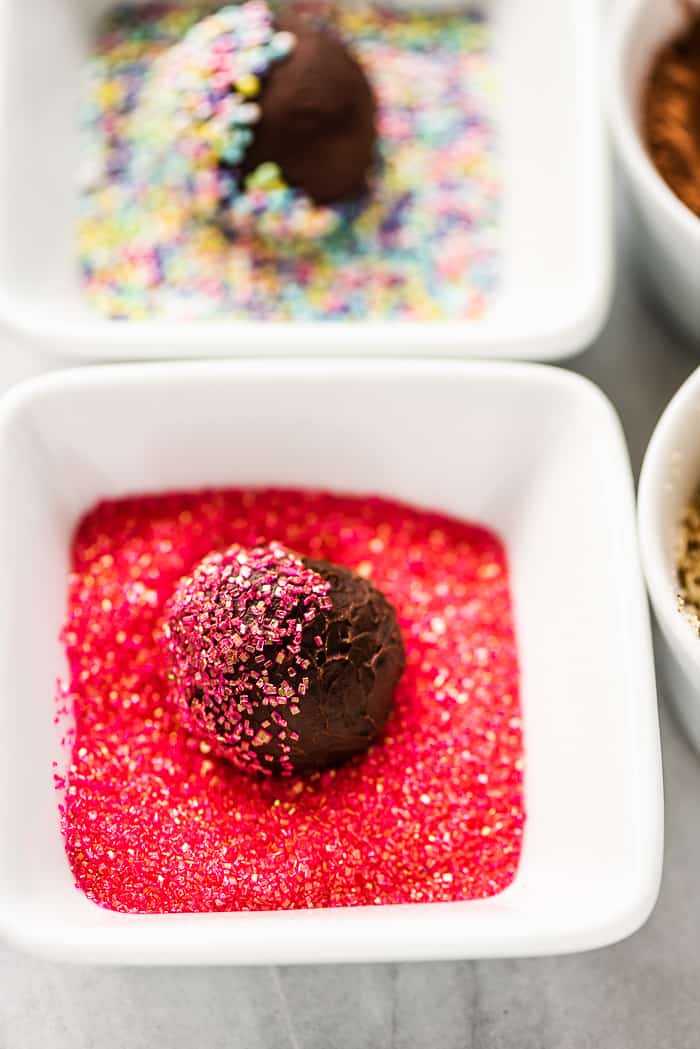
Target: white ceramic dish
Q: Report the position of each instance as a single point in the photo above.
(533, 452)
(668, 233)
(669, 478)
(556, 216)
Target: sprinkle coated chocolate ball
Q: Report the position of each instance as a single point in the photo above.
(280, 663)
(317, 120)
(255, 124)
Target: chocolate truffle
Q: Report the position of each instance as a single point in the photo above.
(264, 127)
(317, 118)
(281, 663)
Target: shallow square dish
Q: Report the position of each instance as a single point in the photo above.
(555, 239)
(532, 452)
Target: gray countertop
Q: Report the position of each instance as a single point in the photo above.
(641, 994)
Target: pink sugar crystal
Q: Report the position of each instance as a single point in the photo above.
(155, 822)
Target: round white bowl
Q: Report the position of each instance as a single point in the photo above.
(668, 232)
(670, 476)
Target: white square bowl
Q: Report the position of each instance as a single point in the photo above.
(555, 238)
(532, 452)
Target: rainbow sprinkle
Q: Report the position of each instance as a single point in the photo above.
(423, 246)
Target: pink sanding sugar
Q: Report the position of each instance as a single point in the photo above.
(154, 822)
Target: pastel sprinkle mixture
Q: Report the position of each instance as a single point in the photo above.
(222, 626)
(154, 821)
(423, 246)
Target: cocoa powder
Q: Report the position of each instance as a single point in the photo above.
(671, 112)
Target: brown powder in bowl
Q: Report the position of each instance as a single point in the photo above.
(688, 563)
(671, 112)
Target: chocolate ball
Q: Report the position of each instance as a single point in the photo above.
(281, 663)
(317, 118)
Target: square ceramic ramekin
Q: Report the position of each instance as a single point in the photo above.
(530, 451)
(670, 478)
(555, 238)
(667, 232)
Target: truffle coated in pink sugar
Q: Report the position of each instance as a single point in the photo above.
(239, 613)
(155, 822)
(283, 664)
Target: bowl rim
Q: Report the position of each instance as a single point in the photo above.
(626, 135)
(653, 484)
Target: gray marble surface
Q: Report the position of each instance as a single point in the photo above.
(641, 994)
